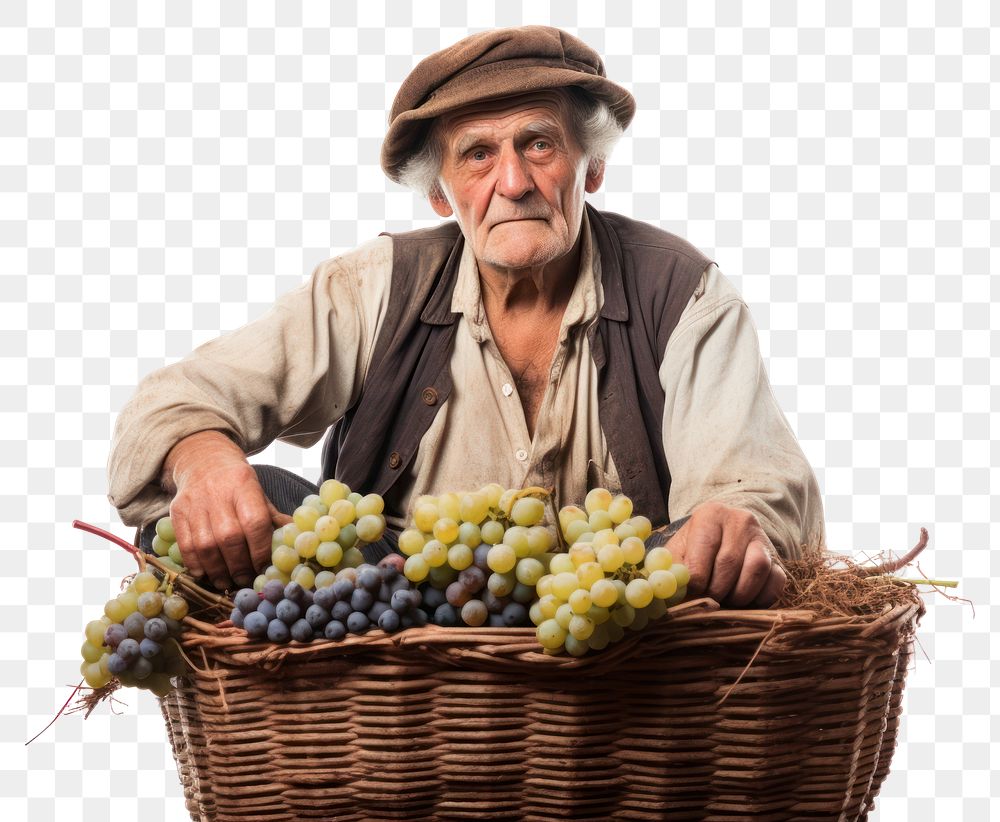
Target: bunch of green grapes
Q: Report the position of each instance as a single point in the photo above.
(135, 641)
(325, 536)
(607, 582)
(478, 555)
(165, 546)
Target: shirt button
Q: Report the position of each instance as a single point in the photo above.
(429, 396)
(395, 460)
(521, 454)
(507, 389)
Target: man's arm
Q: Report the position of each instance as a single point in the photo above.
(289, 375)
(735, 464)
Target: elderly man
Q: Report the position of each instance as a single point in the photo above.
(531, 340)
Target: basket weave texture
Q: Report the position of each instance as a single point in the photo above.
(707, 714)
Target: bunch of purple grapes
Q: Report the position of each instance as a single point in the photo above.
(479, 597)
(360, 600)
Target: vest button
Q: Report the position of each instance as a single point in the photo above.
(395, 460)
(429, 396)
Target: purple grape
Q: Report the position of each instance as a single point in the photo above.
(385, 592)
(288, 611)
(358, 623)
(446, 615)
(457, 594)
(156, 629)
(401, 583)
(173, 625)
(274, 591)
(493, 603)
(142, 668)
(317, 616)
(307, 598)
(246, 600)
(514, 615)
(135, 625)
(523, 593)
(324, 598)
(302, 631)
(148, 648)
(117, 665)
(377, 610)
(335, 630)
(267, 608)
(433, 597)
(419, 618)
(115, 634)
(256, 624)
(128, 649)
(496, 621)
(389, 621)
(390, 573)
(342, 589)
(473, 579)
(236, 617)
(277, 631)
(294, 592)
(479, 557)
(369, 578)
(474, 613)
(341, 611)
(401, 602)
(362, 599)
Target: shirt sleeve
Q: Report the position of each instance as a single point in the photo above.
(288, 375)
(724, 436)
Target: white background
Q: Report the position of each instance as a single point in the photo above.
(167, 170)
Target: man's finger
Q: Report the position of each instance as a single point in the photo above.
(231, 544)
(753, 575)
(255, 513)
(699, 542)
(728, 561)
(182, 532)
(278, 518)
(773, 587)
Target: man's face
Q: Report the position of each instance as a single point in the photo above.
(514, 177)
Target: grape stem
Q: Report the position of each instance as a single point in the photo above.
(893, 566)
(93, 529)
(59, 713)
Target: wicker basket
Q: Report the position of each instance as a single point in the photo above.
(707, 714)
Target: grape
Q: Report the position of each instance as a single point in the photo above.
(599, 639)
(343, 511)
(581, 627)
(658, 559)
(469, 534)
(90, 653)
(393, 565)
(633, 549)
(175, 556)
(294, 592)
(479, 556)
(301, 631)
(474, 507)
(565, 584)
(457, 594)
(603, 593)
(598, 614)
(285, 558)
(377, 610)
(419, 618)
(446, 530)
(114, 634)
(289, 534)
(362, 600)
(589, 574)
(561, 563)
(517, 538)
(493, 603)
(529, 571)
(358, 623)
(316, 502)
(341, 611)
(305, 517)
(128, 650)
(446, 615)
(548, 605)
(656, 608)
(304, 576)
(551, 634)
(389, 621)
(623, 616)
(492, 532)
(460, 556)
(576, 529)
(411, 541)
(156, 629)
(370, 528)
(149, 648)
(433, 597)
(474, 613)
(277, 630)
(620, 509)
(268, 609)
(369, 578)
(435, 553)
(324, 598)
(342, 589)
(580, 602)
(135, 624)
(142, 668)
(535, 614)
(165, 530)
(246, 600)
(564, 614)
(175, 607)
(682, 574)
(473, 579)
(640, 621)
(527, 511)
(335, 630)
(317, 616)
(416, 568)
(326, 528)
(611, 557)
(287, 611)
(663, 584)
(116, 664)
(539, 539)
(332, 490)
(576, 647)
(115, 610)
(602, 538)
(514, 614)
(306, 544)
(442, 576)
(501, 558)
(150, 603)
(598, 499)
(348, 536)
(95, 632)
(522, 593)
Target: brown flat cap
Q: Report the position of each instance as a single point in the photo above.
(495, 63)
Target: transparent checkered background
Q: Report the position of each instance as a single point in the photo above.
(166, 172)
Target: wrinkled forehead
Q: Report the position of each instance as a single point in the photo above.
(548, 104)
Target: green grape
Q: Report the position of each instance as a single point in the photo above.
(304, 576)
(571, 513)
(446, 530)
(273, 572)
(175, 607)
(284, 558)
(598, 615)
(411, 541)
(259, 582)
(641, 620)
(160, 546)
(624, 615)
(598, 499)
(174, 555)
(600, 521)
(469, 534)
(305, 517)
(535, 614)
(580, 626)
(474, 507)
(582, 553)
(370, 528)
(501, 585)
(130, 599)
(602, 538)
(145, 581)
(575, 530)
(460, 556)
(663, 584)
(656, 608)
(354, 498)
(353, 558)
(94, 677)
(527, 511)
(551, 635)
(492, 532)
(564, 614)
(91, 652)
(539, 540)
(449, 506)
(435, 553)
(620, 509)
(544, 585)
(150, 603)
(614, 630)
(529, 571)
(517, 538)
(306, 544)
(348, 536)
(611, 558)
(370, 505)
(548, 605)
(624, 531)
(589, 573)
(576, 647)
(501, 558)
(493, 493)
(343, 511)
(633, 550)
(639, 593)
(643, 527)
(95, 634)
(442, 576)
(289, 534)
(682, 574)
(324, 579)
(416, 568)
(424, 517)
(561, 564)
(565, 584)
(165, 530)
(331, 491)
(327, 528)
(329, 554)
(314, 501)
(603, 593)
(658, 559)
(599, 639)
(580, 602)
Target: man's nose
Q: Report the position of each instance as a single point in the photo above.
(513, 178)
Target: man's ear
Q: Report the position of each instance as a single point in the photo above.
(439, 202)
(595, 176)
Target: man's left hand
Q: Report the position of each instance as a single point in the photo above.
(729, 556)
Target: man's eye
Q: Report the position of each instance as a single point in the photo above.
(541, 145)
(479, 155)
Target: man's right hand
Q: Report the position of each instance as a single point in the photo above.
(222, 520)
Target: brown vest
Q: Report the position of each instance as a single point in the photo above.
(648, 276)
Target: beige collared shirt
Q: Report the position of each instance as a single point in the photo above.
(294, 372)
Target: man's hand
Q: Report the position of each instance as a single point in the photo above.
(729, 557)
(220, 515)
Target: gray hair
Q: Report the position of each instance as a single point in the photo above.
(593, 124)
